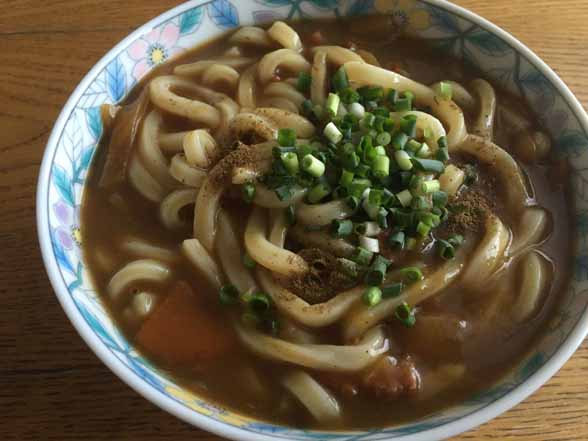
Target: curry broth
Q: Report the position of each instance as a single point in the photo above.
(226, 381)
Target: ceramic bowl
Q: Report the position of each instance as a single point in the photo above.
(75, 135)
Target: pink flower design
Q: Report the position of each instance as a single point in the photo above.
(68, 232)
(153, 48)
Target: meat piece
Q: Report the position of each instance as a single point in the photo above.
(316, 38)
(390, 378)
(342, 384)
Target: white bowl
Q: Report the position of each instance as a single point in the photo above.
(466, 35)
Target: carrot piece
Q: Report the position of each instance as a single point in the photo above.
(180, 331)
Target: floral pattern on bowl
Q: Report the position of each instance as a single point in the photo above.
(78, 130)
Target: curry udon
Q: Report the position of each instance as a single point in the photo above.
(326, 224)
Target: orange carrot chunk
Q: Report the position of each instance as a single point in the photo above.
(180, 332)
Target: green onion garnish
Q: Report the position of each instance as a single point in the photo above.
(381, 166)
(352, 202)
(446, 250)
(430, 186)
(287, 137)
(304, 81)
(393, 290)
(404, 197)
(340, 80)
(332, 133)
(428, 165)
(362, 256)
(382, 218)
(333, 102)
(383, 139)
(403, 160)
(445, 90)
(313, 166)
(456, 240)
(377, 272)
(411, 243)
(350, 96)
(399, 140)
(402, 105)
(411, 274)
(405, 315)
(228, 295)
(408, 125)
(348, 267)
(290, 215)
(318, 193)
(248, 192)
(341, 228)
(423, 229)
(283, 192)
(413, 146)
(442, 143)
(439, 199)
(290, 161)
(259, 303)
(346, 178)
(372, 296)
(442, 155)
(396, 240)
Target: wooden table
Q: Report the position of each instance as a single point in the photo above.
(52, 387)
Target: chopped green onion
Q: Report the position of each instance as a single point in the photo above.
(393, 290)
(369, 243)
(358, 187)
(399, 140)
(340, 80)
(380, 150)
(360, 228)
(368, 120)
(439, 199)
(340, 192)
(284, 192)
(362, 170)
(427, 133)
(423, 229)
(408, 94)
(370, 209)
(442, 142)
(456, 240)
(420, 203)
(290, 215)
(374, 196)
(290, 161)
(371, 229)
(371, 93)
(403, 160)
(446, 250)
(405, 315)
(333, 102)
(404, 197)
(413, 146)
(357, 110)
(248, 192)
(377, 272)
(383, 139)
(272, 325)
(411, 274)
(341, 228)
(332, 133)
(346, 177)
(362, 256)
(381, 166)
(402, 105)
(408, 125)
(313, 166)
(444, 90)
(351, 160)
(259, 302)
(392, 96)
(428, 165)
(352, 202)
(304, 82)
(372, 296)
(248, 261)
(442, 155)
(396, 240)
(349, 96)
(287, 137)
(228, 295)
(318, 192)
(424, 151)
(307, 108)
(430, 186)
(250, 319)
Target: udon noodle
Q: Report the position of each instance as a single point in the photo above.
(366, 230)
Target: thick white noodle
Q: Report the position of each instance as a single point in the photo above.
(320, 403)
(201, 149)
(286, 59)
(284, 90)
(313, 316)
(323, 214)
(185, 173)
(348, 358)
(268, 199)
(284, 119)
(196, 69)
(321, 239)
(246, 123)
(461, 96)
(247, 88)
(251, 36)
(249, 173)
(203, 261)
(219, 75)
(424, 121)
(150, 153)
(164, 92)
(451, 179)
(278, 227)
(338, 55)
(142, 249)
(169, 210)
(279, 103)
(368, 57)
(143, 182)
(532, 230)
(484, 123)
(489, 255)
(172, 142)
(137, 271)
(285, 36)
(318, 85)
(533, 283)
(265, 253)
(230, 253)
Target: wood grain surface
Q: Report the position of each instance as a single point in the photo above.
(52, 387)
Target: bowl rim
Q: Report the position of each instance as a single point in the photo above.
(446, 430)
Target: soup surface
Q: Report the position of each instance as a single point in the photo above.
(326, 224)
